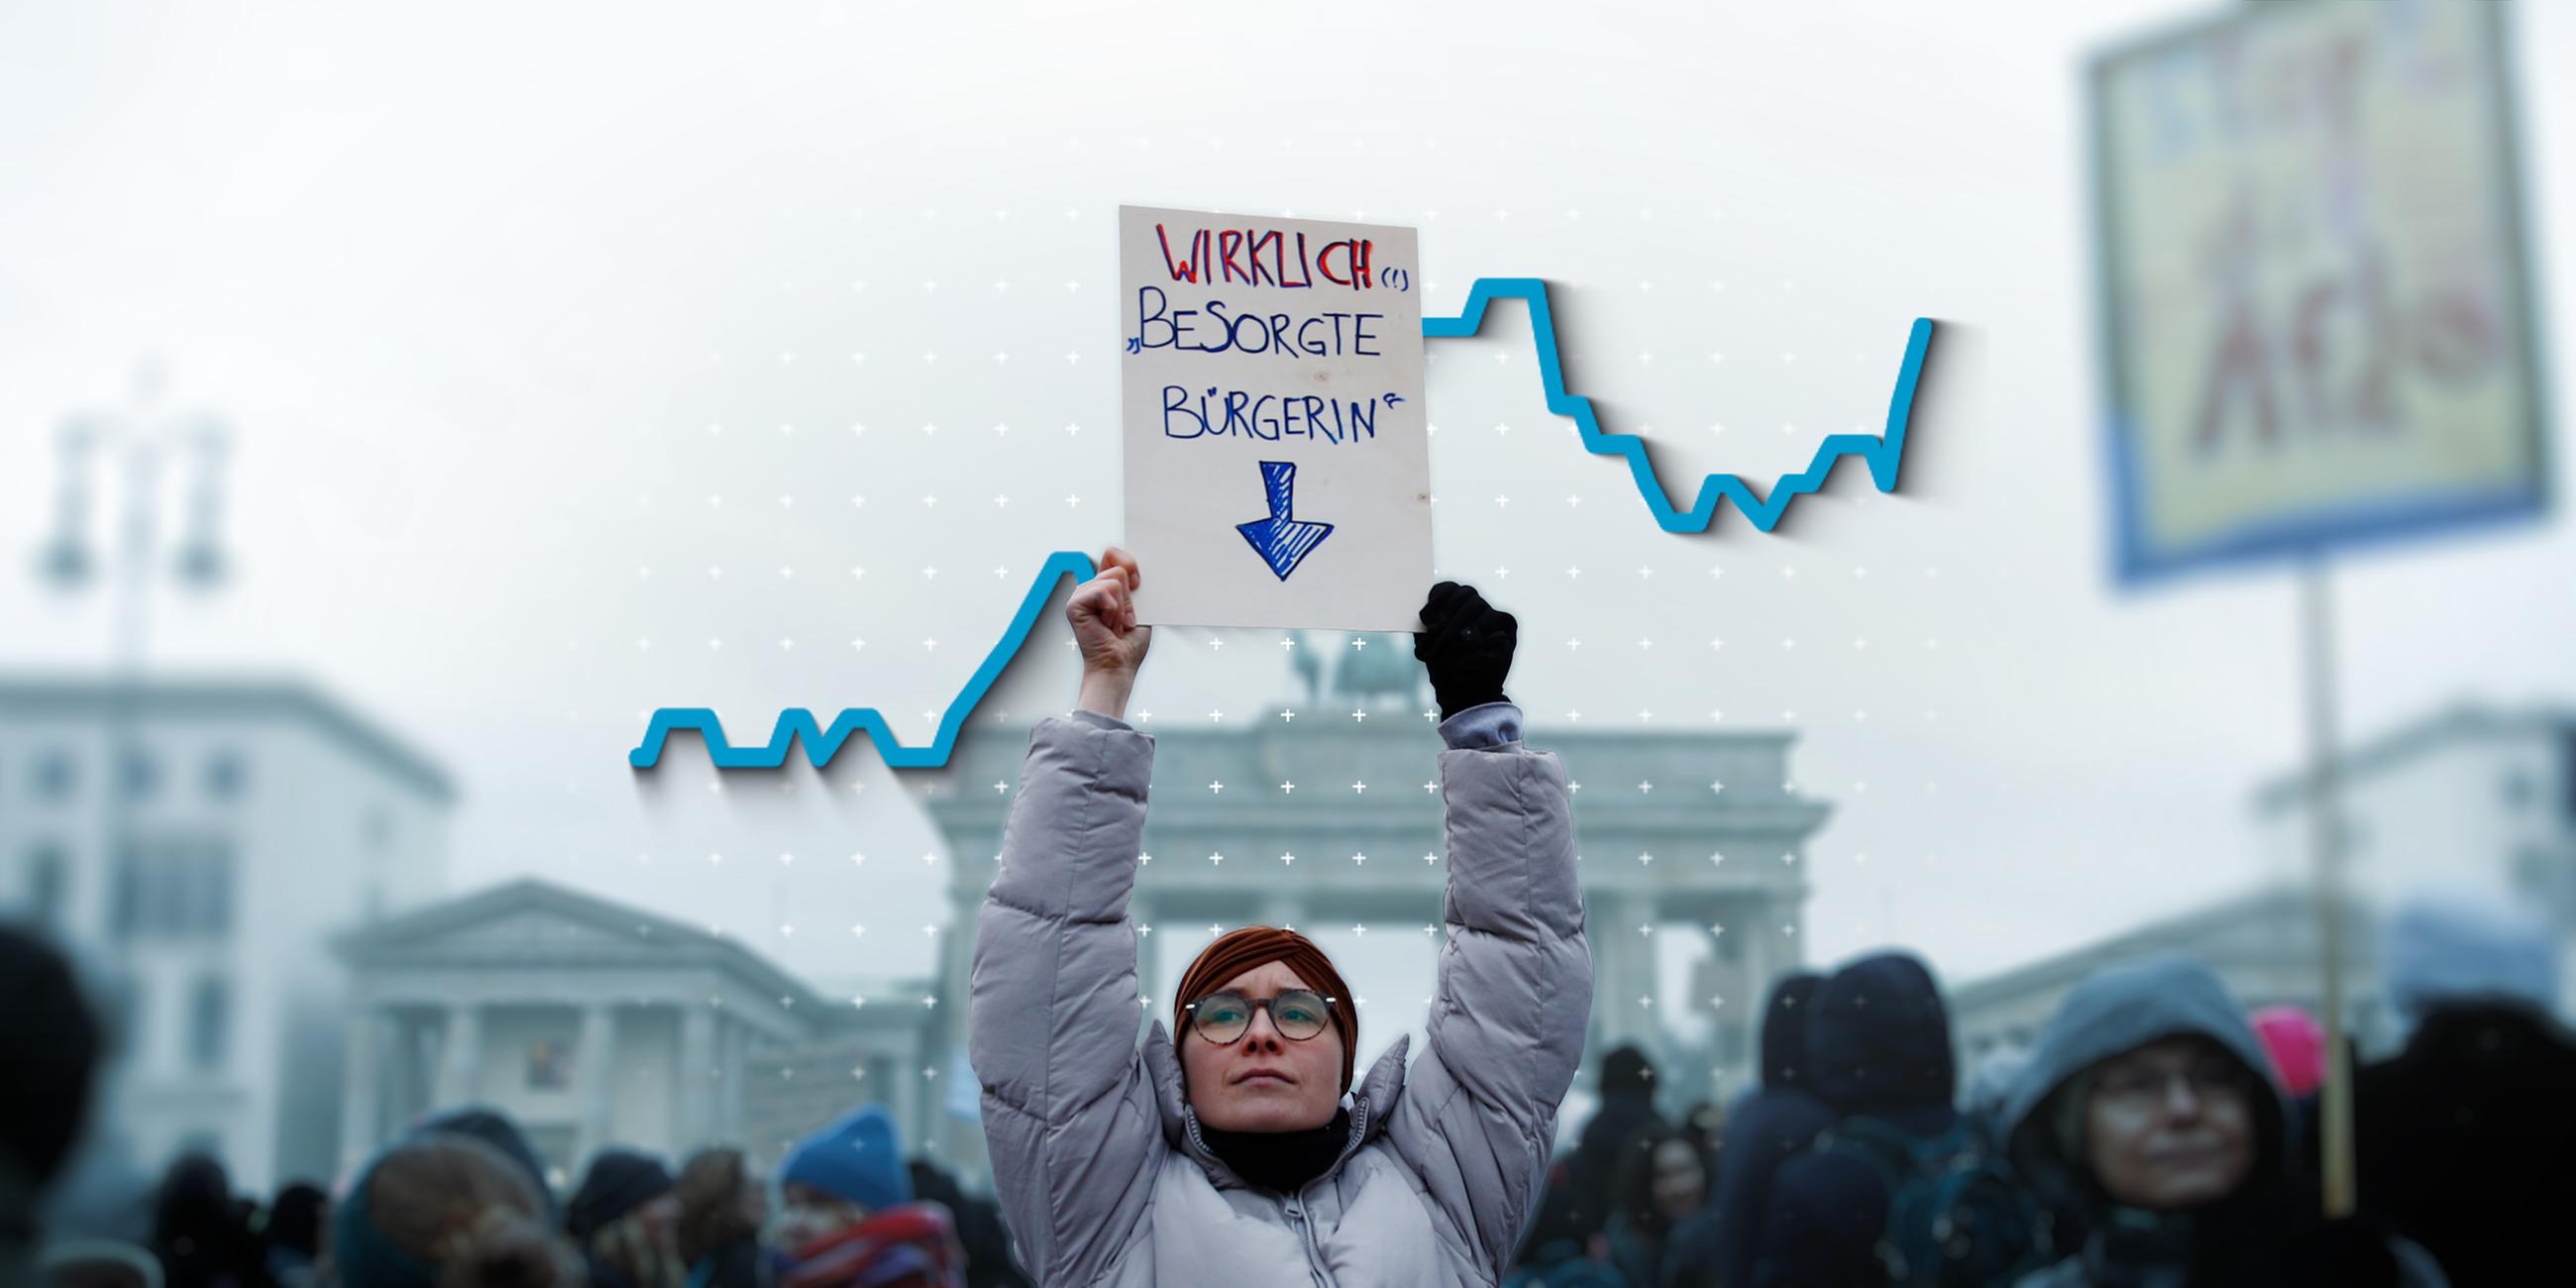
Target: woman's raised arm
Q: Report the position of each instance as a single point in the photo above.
(1069, 1115)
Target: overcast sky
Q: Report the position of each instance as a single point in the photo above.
(561, 342)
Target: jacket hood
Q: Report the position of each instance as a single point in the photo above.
(1372, 1102)
(2116, 1011)
(1878, 1038)
(1784, 1030)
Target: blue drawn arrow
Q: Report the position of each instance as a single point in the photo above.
(1282, 540)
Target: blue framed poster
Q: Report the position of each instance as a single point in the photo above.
(2315, 289)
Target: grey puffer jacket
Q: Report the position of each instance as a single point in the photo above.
(1096, 1155)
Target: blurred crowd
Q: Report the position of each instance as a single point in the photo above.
(2155, 1133)
(463, 1200)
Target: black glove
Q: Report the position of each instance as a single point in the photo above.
(1466, 645)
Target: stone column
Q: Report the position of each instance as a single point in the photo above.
(460, 1057)
(734, 1048)
(1623, 969)
(594, 1082)
(697, 1082)
(361, 1087)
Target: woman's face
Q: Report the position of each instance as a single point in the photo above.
(1679, 1184)
(1262, 1081)
(2170, 1125)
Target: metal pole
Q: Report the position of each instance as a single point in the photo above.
(2325, 843)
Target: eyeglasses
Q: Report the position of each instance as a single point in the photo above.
(1297, 1013)
(2141, 1085)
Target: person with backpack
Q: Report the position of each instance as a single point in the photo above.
(2150, 1106)
(1767, 1126)
(1900, 1190)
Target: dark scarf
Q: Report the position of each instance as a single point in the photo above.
(1281, 1160)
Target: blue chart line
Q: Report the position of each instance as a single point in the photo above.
(1882, 454)
(821, 744)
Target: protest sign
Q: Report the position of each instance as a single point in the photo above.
(2316, 290)
(1277, 463)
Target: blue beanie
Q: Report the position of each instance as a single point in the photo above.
(855, 1159)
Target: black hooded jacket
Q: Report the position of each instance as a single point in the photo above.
(1765, 1128)
(1878, 1047)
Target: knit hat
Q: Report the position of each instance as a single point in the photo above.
(856, 1159)
(618, 1182)
(1237, 951)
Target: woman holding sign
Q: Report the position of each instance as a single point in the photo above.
(1243, 1152)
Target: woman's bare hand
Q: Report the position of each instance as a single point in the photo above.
(1103, 615)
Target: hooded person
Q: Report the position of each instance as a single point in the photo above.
(625, 1220)
(2462, 1140)
(2150, 1107)
(1242, 1144)
(1877, 1049)
(1627, 1115)
(847, 1218)
(1770, 1124)
(446, 1210)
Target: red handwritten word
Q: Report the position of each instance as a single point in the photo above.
(1259, 257)
(2337, 351)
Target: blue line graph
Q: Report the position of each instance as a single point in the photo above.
(798, 726)
(1882, 454)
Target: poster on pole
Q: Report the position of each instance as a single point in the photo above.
(2316, 294)
(1277, 458)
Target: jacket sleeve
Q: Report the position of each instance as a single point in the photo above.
(1514, 995)
(1069, 1111)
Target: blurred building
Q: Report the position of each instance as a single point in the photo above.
(195, 843)
(2470, 797)
(591, 1023)
(879, 1052)
(2467, 799)
(1699, 834)
(2263, 944)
